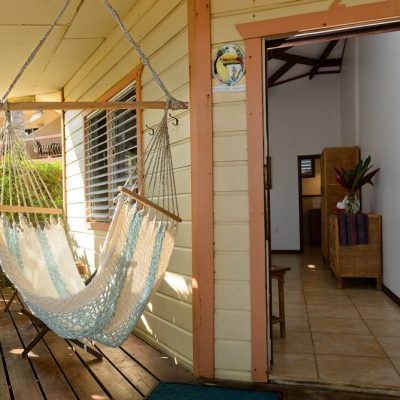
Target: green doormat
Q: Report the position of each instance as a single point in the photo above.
(178, 391)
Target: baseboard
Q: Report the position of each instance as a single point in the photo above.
(286, 251)
(392, 295)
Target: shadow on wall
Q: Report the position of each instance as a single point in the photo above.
(78, 253)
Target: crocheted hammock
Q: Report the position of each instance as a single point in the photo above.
(36, 257)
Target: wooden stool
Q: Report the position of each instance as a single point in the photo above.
(279, 274)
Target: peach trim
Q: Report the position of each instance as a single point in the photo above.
(98, 226)
(255, 128)
(202, 187)
(336, 16)
(123, 83)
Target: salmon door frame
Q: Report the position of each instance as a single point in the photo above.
(337, 20)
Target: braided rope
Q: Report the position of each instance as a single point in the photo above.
(34, 52)
(175, 103)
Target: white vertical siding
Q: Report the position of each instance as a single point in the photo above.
(161, 29)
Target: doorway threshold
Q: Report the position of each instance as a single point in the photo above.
(364, 392)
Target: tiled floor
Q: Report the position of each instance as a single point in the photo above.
(347, 336)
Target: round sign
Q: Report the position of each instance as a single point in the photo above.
(228, 64)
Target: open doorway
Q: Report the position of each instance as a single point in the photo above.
(330, 93)
(309, 178)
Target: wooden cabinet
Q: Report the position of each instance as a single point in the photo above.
(361, 260)
(331, 191)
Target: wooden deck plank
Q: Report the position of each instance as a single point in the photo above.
(22, 378)
(153, 360)
(129, 372)
(115, 383)
(77, 375)
(53, 382)
(4, 391)
(138, 376)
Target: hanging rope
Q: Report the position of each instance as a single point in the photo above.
(152, 174)
(34, 52)
(175, 103)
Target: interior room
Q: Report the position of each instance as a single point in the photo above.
(338, 93)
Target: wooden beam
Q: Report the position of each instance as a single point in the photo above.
(273, 52)
(91, 105)
(149, 203)
(202, 185)
(333, 62)
(322, 58)
(302, 76)
(289, 79)
(30, 210)
(280, 72)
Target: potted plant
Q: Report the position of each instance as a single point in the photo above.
(352, 180)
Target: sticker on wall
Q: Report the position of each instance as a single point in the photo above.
(228, 68)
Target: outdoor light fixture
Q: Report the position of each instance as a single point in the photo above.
(36, 115)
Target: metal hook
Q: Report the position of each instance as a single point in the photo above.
(151, 129)
(176, 121)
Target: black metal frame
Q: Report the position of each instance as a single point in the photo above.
(44, 329)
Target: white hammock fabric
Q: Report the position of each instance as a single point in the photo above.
(135, 256)
(34, 250)
(36, 257)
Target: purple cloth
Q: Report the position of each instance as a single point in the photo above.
(353, 229)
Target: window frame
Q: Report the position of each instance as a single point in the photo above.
(133, 76)
(312, 172)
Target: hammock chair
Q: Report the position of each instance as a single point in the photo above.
(34, 250)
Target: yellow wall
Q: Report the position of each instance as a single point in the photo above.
(232, 269)
(161, 28)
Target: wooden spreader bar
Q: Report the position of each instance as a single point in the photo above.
(90, 105)
(30, 210)
(149, 203)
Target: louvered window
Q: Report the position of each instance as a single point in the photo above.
(307, 167)
(111, 154)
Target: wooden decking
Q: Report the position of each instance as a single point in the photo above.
(56, 370)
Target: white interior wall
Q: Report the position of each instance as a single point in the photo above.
(349, 102)
(304, 117)
(370, 98)
(379, 66)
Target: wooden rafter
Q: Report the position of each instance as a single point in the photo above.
(291, 59)
(322, 58)
(293, 78)
(90, 105)
(280, 72)
(272, 53)
(282, 56)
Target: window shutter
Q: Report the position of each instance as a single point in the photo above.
(111, 155)
(307, 167)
